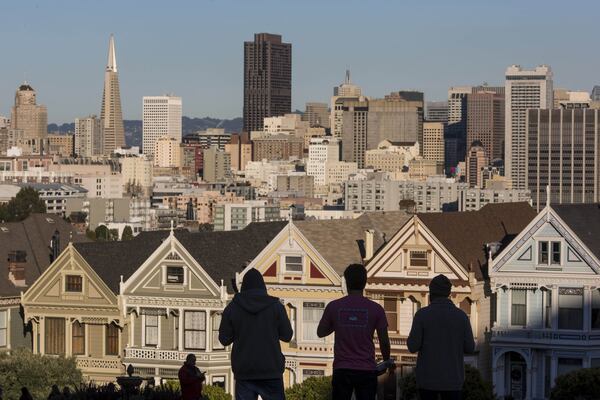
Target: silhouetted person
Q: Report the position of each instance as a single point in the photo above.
(255, 323)
(441, 333)
(354, 319)
(66, 392)
(25, 395)
(1, 393)
(55, 393)
(190, 379)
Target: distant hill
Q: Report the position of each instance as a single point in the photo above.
(133, 128)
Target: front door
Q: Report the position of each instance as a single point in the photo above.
(517, 377)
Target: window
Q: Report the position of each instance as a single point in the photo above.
(390, 305)
(73, 283)
(312, 313)
(519, 307)
(547, 307)
(216, 321)
(595, 309)
(556, 253)
(112, 340)
(418, 259)
(54, 336)
(570, 308)
(293, 263)
(543, 253)
(218, 381)
(175, 275)
(549, 253)
(78, 338)
(151, 330)
(3, 328)
(566, 365)
(194, 330)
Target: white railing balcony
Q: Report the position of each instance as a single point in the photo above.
(147, 354)
(546, 336)
(105, 364)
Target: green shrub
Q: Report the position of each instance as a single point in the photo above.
(215, 393)
(313, 388)
(582, 384)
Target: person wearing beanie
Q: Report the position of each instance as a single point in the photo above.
(441, 334)
(254, 323)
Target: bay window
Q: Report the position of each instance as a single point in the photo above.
(519, 307)
(194, 330)
(570, 308)
(151, 330)
(312, 313)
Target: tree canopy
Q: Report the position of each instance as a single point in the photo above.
(26, 202)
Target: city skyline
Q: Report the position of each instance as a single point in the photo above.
(65, 69)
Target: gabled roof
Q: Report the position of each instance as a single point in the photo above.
(338, 240)
(584, 221)
(33, 236)
(221, 254)
(465, 234)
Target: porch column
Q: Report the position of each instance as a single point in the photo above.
(68, 337)
(208, 335)
(42, 338)
(587, 308)
(554, 306)
(180, 333)
(498, 374)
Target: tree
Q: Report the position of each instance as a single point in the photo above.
(407, 205)
(127, 233)
(582, 384)
(205, 227)
(113, 235)
(215, 393)
(38, 373)
(313, 388)
(102, 233)
(90, 234)
(26, 202)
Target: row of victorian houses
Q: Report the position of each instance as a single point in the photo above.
(528, 282)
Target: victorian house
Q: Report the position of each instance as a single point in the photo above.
(147, 302)
(455, 244)
(303, 265)
(26, 249)
(547, 285)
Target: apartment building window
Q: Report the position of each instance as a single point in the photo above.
(54, 336)
(175, 275)
(549, 253)
(547, 307)
(78, 338)
(390, 306)
(3, 328)
(570, 308)
(112, 340)
(293, 263)
(194, 330)
(418, 258)
(311, 315)
(595, 309)
(74, 283)
(151, 330)
(216, 322)
(519, 307)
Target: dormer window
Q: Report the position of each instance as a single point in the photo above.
(175, 275)
(549, 253)
(73, 284)
(293, 264)
(419, 259)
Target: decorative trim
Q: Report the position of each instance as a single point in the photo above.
(10, 301)
(527, 255)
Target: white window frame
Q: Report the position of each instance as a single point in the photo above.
(510, 307)
(204, 312)
(5, 328)
(67, 292)
(427, 259)
(164, 275)
(304, 327)
(145, 327)
(285, 264)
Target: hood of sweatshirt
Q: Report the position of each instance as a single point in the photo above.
(253, 296)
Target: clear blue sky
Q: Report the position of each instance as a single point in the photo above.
(195, 48)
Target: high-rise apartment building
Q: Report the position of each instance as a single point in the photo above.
(433, 141)
(278, 147)
(89, 136)
(525, 89)
(30, 118)
(485, 122)
(240, 149)
(321, 151)
(110, 112)
(167, 152)
(365, 123)
(161, 117)
(267, 79)
(563, 153)
(316, 114)
(476, 161)
(436, 111)
(216, 165)
(456, 132)
(345, 91)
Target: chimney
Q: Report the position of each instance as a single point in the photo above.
(16, 267)
(369, 237)
(54, 246)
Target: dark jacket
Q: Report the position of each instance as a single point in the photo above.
(442, 335)
(190, 381)
(255, 323)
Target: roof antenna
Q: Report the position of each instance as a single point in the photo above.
(547, 195)
(171, 233)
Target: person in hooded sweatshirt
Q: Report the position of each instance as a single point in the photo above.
(441, 333)
(255, 323)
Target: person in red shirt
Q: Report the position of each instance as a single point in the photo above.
(354, 319)
(190, 379)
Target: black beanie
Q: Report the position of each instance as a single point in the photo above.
(253, 280)
(440, 286)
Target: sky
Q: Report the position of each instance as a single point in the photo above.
(194, 49)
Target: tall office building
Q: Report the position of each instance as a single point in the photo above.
(563, 152)
(456, 131)
(89, 136)
(436, 111)
(317, 115)
(30, 118)
(596, 93)
(485, 122)
(161, 117)
(525, 89)
(110, 113)
(345, 91)
(433, 141)
(477, 159)
(267, 79)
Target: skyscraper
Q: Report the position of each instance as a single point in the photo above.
(456, 132)
(30, 118)
(345, 91)
(88, 136)
(476, 160)
(525, 89)
(485, 122)
(161, 117)
(317, 115)
(110, 113)
(267, 79)
(436, 111)
(433, 141)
